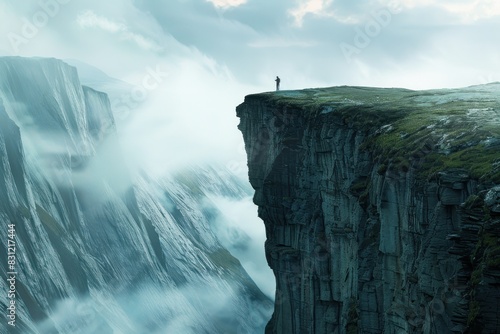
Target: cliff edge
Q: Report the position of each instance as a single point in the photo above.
(381, 207)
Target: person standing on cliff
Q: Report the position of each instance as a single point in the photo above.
(278, 80)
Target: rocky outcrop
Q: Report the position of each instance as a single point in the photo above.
(380, 207)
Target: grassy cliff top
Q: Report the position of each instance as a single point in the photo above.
(440, 129)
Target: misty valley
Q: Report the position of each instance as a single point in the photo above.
(363, 210)
(96, 246)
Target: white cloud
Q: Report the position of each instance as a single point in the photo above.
(467, 11)
(316, 7)
(243, 234)
(187, 119)
(227, 3)
(89, 19)
(470, 11)
(148, 309)
(280, 42)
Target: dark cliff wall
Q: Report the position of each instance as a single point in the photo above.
(374, 225)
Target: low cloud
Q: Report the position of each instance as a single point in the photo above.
(89, 19)
(315, 7)
(190, 309)
(189, 119)
(243, 234)
(227, 3)
(472, 11)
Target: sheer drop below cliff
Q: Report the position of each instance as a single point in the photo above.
(380, 206)
(101, 249)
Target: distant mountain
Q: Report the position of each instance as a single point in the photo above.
(93, 77)
(119, 92)
(101, 249)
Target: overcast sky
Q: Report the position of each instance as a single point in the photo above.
(419, 44)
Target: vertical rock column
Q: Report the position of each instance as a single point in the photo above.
(302, 182)
(358, 247)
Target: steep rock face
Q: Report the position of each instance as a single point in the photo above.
(99, 250)
(379, 208)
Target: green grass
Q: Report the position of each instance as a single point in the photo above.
(429, 131)
(473, 201)
(473, 312)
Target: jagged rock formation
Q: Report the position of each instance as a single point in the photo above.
(380, 207)
(99, 249)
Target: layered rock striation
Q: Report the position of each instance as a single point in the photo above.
(101, 248)
(381, 207)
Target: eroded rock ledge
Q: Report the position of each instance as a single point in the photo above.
(381, 207)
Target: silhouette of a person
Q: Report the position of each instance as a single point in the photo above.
(278, 80)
